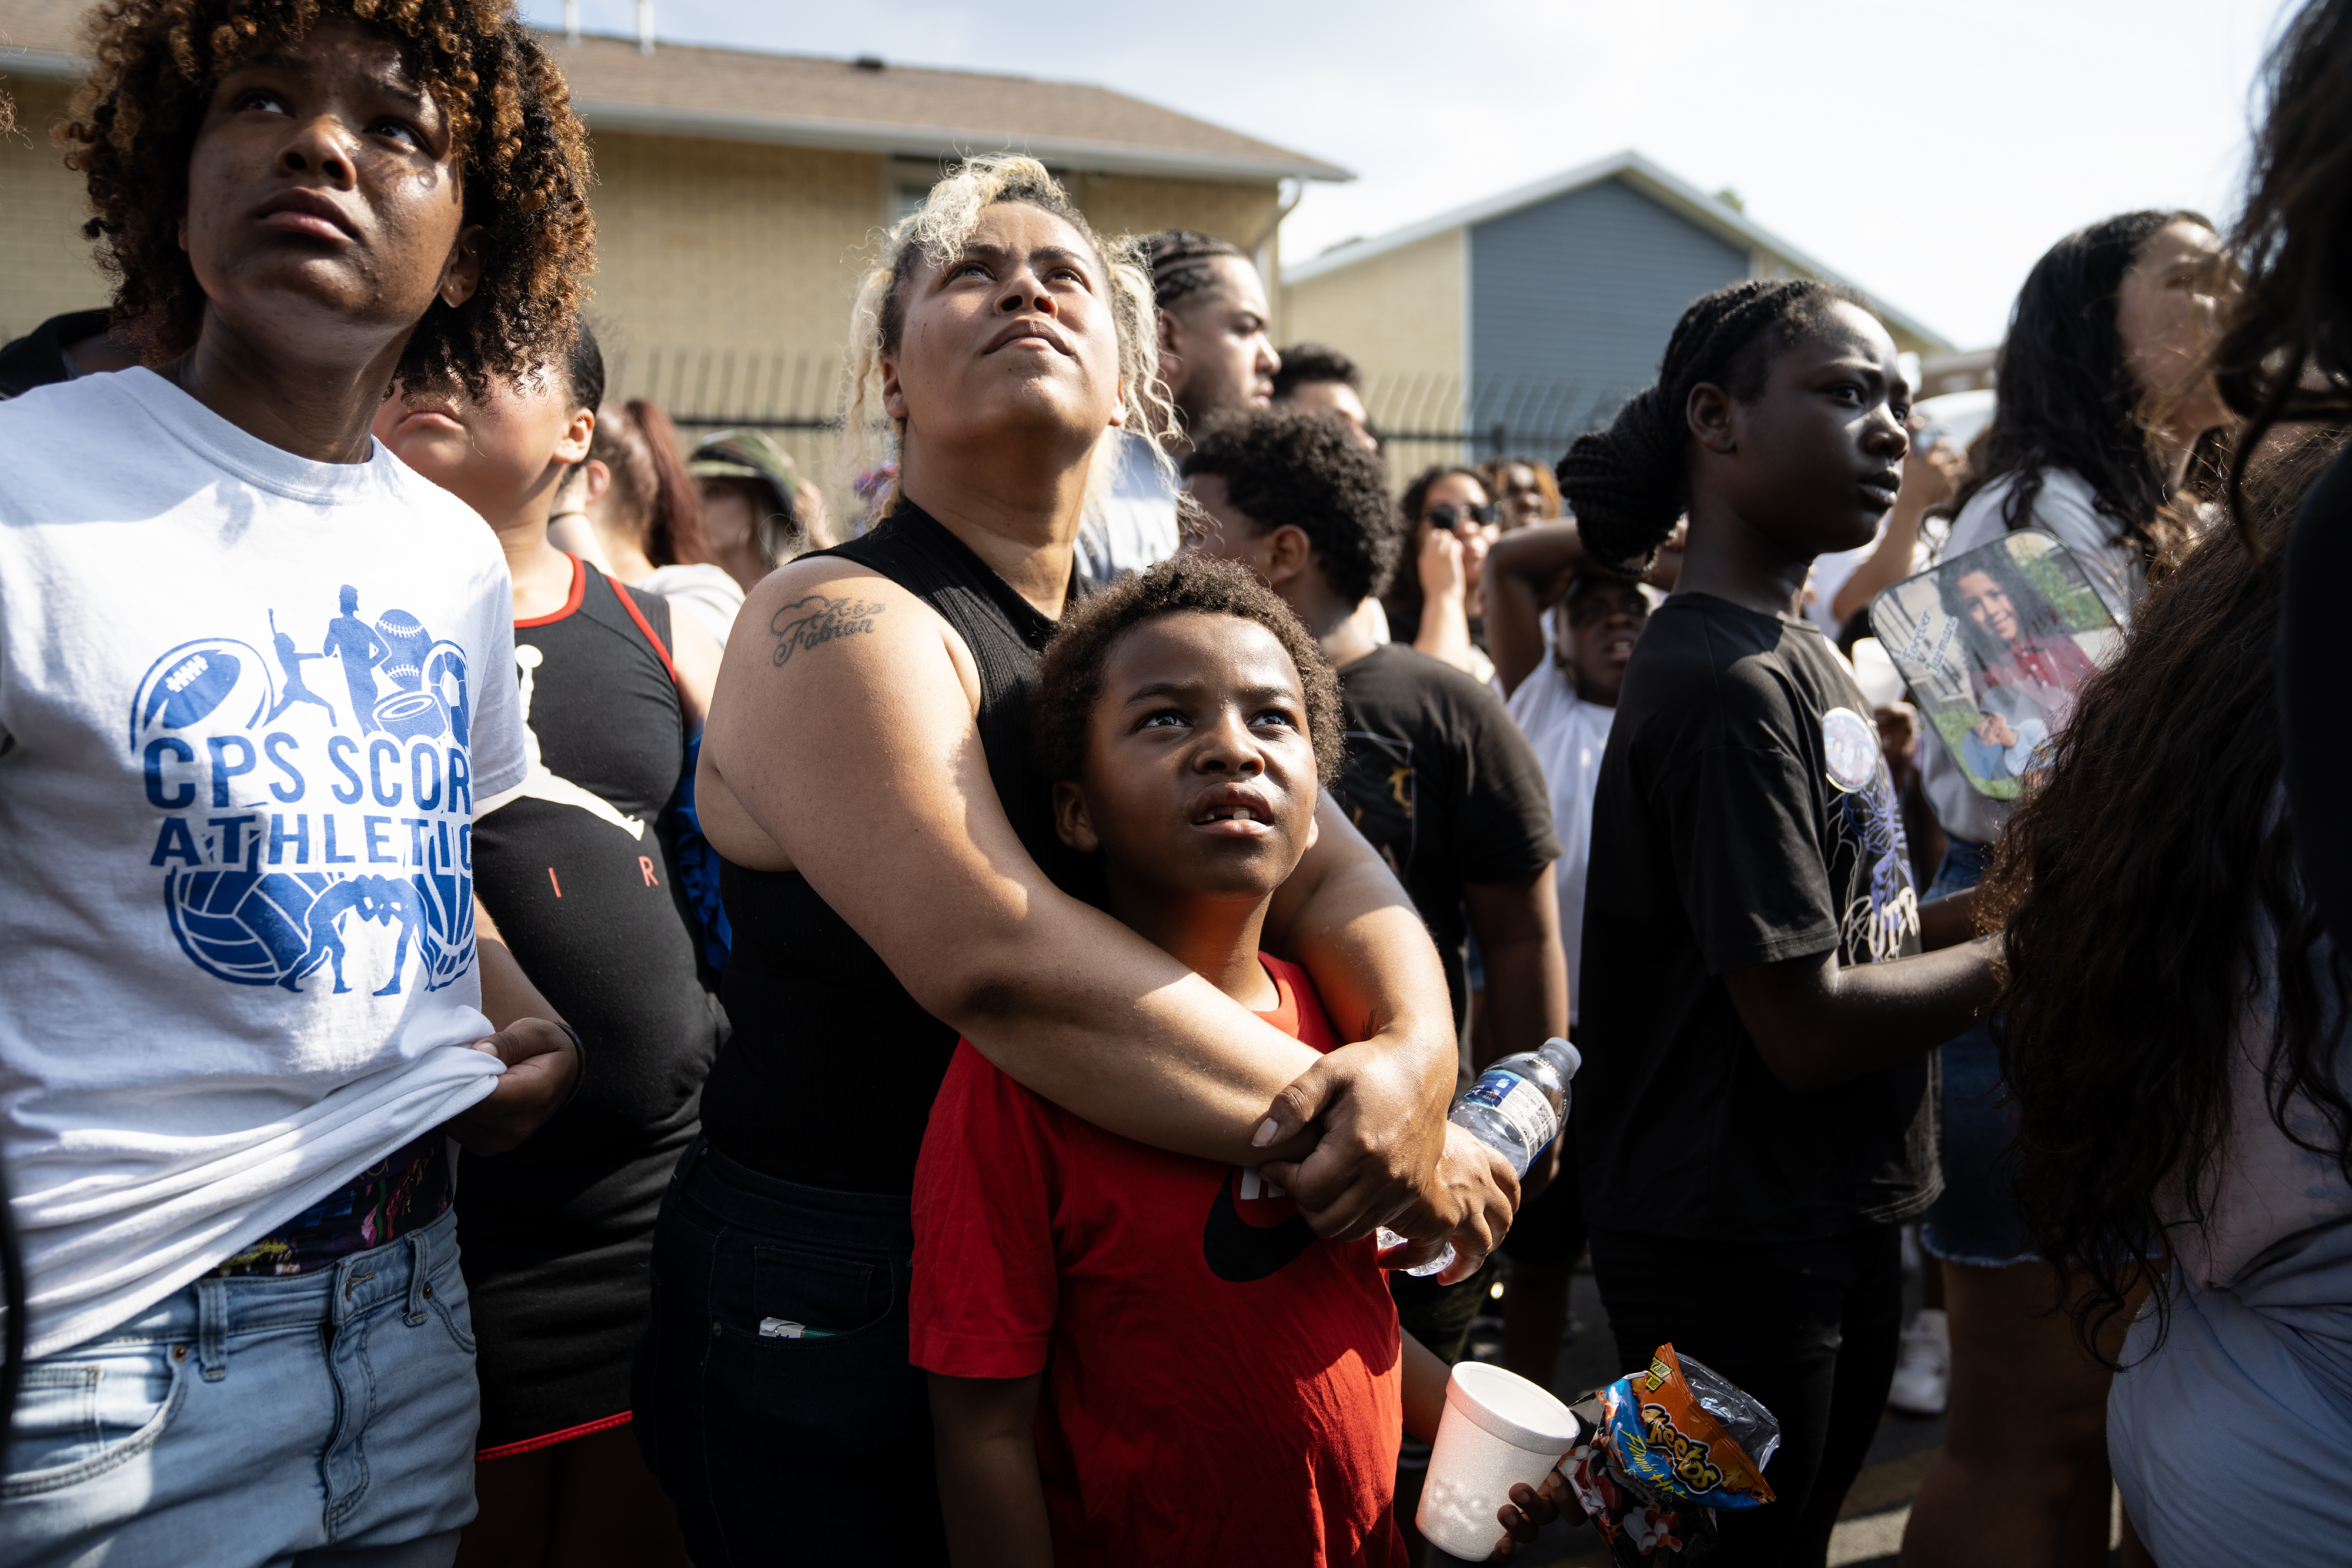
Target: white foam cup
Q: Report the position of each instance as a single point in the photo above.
(1498, 1430)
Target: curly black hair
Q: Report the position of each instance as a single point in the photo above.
(1305, 469)
(1627, 484)
(2296, 240)
(1070, 674)
(520, 152)
(1304, 364)
(2067, 398)
(2132, 890)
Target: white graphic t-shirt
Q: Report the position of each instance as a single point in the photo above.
(248, 705)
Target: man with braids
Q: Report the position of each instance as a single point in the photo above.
(248, 1329)
(1214, 356)
(1756, 1109)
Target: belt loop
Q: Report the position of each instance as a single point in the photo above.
(420, 1269)
(212, 1327)
(685, 1172)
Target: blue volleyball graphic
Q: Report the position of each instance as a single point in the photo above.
(216, 678)
(249, 928)
(405, 642)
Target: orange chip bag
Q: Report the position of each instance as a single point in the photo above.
(1681, 1429)
(1669, 1444)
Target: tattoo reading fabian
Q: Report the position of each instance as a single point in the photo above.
(806, 623)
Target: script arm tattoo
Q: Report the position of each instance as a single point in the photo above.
(820, 618)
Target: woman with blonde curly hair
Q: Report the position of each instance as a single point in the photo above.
(894, 880)
(243, 1007)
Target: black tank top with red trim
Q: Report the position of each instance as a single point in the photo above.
(579, 869)
(829, 1077)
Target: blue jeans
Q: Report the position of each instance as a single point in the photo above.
(1975, 1220)
(809, 1450)
(316, 1420)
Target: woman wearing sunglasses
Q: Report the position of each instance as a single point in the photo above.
(1432, 605)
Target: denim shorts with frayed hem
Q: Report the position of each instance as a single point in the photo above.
(321, 1420)
(1974, 1221)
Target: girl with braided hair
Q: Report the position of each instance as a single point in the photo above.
(1757, 1107)
(250, 1337)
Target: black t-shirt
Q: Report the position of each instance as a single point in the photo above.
(1744, 816)
(1443, 783)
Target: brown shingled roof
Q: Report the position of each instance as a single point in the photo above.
(803, 100)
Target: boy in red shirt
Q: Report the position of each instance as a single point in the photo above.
(1136, 1356)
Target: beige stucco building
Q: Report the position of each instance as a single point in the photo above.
(737, 193)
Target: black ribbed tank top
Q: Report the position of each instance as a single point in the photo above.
(830, 1073)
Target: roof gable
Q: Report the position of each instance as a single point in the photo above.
(739, 95)
(1629, 168)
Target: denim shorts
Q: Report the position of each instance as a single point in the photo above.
(772, 1393)
(308, 1420)
(1974, 1221)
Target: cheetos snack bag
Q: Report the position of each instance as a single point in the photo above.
(1664, 1449)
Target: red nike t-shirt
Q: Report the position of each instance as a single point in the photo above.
(1220, 1385)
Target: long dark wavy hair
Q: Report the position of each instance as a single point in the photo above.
(2295, 240)
(2132, 890)
(2067, 399)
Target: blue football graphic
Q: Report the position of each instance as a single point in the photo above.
(196, 681)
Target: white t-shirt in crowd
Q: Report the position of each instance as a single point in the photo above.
(1568, 736)
(704, 592)
(247, 704)
(1133, 523)
(2064, 509)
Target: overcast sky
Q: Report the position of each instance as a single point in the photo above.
(1927, 152)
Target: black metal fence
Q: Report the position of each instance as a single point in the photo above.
(1421, 419)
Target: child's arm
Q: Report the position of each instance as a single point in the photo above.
(1425, 1389)
(990, 1493)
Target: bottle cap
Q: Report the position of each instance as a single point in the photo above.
(1567, 1054)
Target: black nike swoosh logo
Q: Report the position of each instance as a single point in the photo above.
(1238, 1252)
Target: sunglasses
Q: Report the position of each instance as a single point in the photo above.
(1446, 514)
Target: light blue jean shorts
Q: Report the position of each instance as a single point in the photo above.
(323, 1420)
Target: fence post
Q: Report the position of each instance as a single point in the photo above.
(1500, 435)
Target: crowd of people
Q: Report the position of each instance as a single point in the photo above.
(731, 1026)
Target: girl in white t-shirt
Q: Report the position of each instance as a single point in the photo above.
(2102, 407)
(247, 720)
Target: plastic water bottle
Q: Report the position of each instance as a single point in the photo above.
(1516, 1108)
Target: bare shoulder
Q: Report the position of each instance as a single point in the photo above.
(810, 611)
(811, 603)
